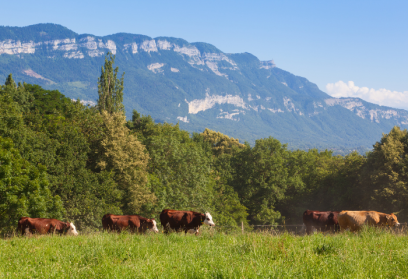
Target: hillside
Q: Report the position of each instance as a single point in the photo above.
(197, 85)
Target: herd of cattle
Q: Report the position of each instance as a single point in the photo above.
(187, 221)
(190, 221)
(341, 220)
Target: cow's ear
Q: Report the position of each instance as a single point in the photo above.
(67, 226)
(388, 217)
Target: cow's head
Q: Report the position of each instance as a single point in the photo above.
(71, 230)
(153, 226)
(208, 219)
(148, 224)
(392, 220)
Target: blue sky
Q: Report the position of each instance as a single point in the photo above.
(348, 48)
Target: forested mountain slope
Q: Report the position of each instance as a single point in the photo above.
(197, 85)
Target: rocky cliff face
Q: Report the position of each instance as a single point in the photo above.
(70, 48)
(196, 85)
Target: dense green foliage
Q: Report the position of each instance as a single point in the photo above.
(51, 131)
(64, 159)
(369, 254)
(23, 189)
(110, 88)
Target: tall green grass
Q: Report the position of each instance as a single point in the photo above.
(370, 253)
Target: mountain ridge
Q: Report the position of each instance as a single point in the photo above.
(197, 85)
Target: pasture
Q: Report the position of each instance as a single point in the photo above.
(371, 253)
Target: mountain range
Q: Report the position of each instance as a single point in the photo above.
(196, 85)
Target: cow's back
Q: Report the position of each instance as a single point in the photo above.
(168, 216)
(321, 220)
(352, 219)
(356, 219)
(39, 225)
(179, 219)
(120, 222)
(308, 217)
(374, 218)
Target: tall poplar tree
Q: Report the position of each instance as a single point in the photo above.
(10, 82)
(110, 88)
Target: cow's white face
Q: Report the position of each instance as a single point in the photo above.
(154, 227)
(208, 219)
(72, 230)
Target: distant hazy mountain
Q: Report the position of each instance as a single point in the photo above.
(196, 85)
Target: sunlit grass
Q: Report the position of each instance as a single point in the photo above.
(371, 253)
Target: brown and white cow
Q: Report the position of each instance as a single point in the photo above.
(27, 225)
(322, 220)
(354, 220)
(188, 221)
(135, 223)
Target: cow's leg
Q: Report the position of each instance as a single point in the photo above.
(354, 228)
(330, 228)
(308, 229)
(326, 228)
(192, 231)
(166, 228)
(343, 228)
(336, 228)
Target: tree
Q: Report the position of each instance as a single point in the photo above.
(121, 153)
(227, 206)
(263, 175)
(179, 169)
(386, 172)
(23, 189)
(10, 82)
(49, 129)
(220, 143)
(110, 88)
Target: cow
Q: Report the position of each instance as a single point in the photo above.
(27, 225)
(135, 223)
(321, 220)
(187, 221)
(354, 220)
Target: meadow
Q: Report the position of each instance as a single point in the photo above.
(371, 253)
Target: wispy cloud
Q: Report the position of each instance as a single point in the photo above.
(383, 97)
(86, 102)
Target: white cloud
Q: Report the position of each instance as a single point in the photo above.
(86, 102)
(383, 97)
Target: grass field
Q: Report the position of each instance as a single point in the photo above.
(370, 253)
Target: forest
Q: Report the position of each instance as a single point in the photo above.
(62, 159)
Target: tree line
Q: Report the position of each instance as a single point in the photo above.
(62, 159)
